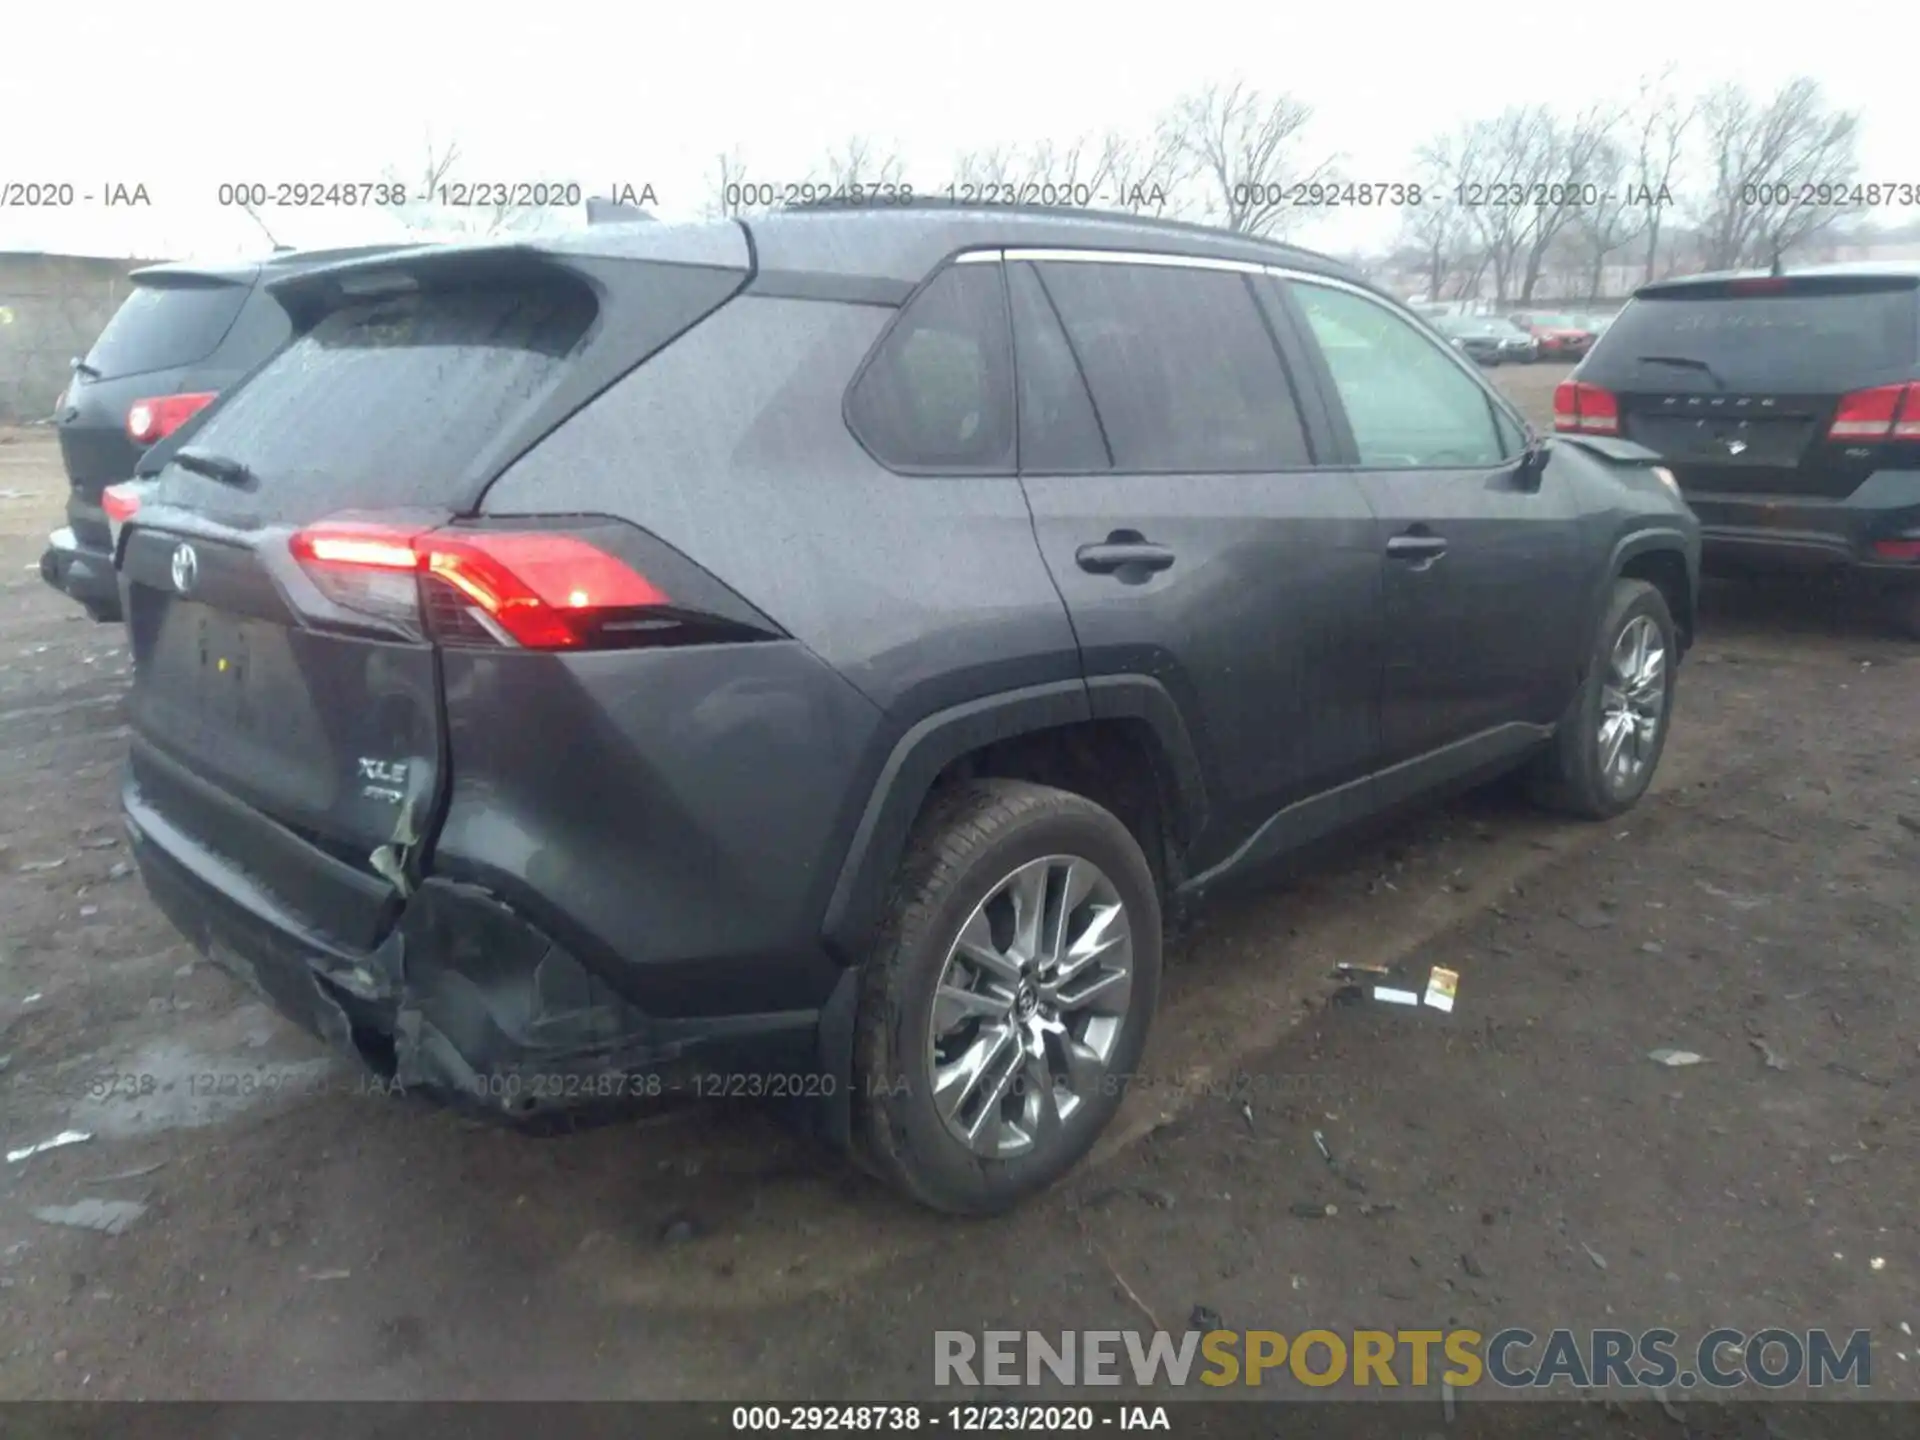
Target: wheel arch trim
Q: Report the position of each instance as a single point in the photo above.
(934, 742)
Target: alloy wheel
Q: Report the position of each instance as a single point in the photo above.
(1030, 1005)
(1633, 702)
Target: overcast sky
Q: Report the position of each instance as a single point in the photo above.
(184, 96)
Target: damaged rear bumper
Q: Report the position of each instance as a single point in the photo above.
(467, 1003)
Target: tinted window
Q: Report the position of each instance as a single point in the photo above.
(159, 327)
(387, 403)
(1182, 369)
(1763, 342)
(1059, 433)
(938, 393)
(1408, 402)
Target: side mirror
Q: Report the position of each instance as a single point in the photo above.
(1533, 464)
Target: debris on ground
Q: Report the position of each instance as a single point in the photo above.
(1205, 1318)
(1395, 996)
(1470, 1263)
(1910, 822)
(1314, 1210)
(110, 1217)
(40, 867)
(329, 1275)
(1768, 1054)
(1852, 1074)
(1739, 902)
(1442, 986)
(1320, 1143)
(65, 1137)
(133, 1174)
(1599, 1261)
(1675, 1058)
(678, 1231)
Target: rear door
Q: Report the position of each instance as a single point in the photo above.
(170, 323)
(284, 681)
(1480, 566)
(1738, 384)
(1179, 506)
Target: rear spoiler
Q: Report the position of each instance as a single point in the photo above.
(582, 257)
(1734, 287)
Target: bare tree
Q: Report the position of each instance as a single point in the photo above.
(729, 197)
(1108, 171)
(1244, 151)
(1562, 185)
(1612, 220)
(1436, 235)
(1768, 164)
(1661, 122)
(859, 163)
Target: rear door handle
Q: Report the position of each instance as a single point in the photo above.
(1416, 547)
(1116, 555)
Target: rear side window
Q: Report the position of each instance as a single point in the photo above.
(938, 393)
(1409, 403)
(160, 327)
(389, 402)
(1059, 433)
(1761, 342)
(1183, 372)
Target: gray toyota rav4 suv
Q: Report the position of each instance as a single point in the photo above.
(807, 656)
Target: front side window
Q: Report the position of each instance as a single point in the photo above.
(938, 394)
(1183, 371)
(1409, 404)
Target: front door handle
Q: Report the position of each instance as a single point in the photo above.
(1424, 549)
(1117, 556)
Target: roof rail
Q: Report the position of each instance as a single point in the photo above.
(937, 203)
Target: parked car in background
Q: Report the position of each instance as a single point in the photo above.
(1788, 407)
(184, 334)
(1489, 339)
(521, 698)
(1596, 325)
(1562, 337)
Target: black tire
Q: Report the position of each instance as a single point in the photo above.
(969, 840)
(1567, 776)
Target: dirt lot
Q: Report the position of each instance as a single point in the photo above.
(1521, 1161)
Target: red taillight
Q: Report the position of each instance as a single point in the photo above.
(158, 417)
(1897, 549)
(1585, 409)
(543, 589)
(120, 502)
(1886, 412)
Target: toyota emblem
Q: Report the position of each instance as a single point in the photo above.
(186, 568)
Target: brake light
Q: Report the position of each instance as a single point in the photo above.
(1585, 409)
(158, 417)
(544, 590)
(1886, 412)
(120, 502)
(1900, 549)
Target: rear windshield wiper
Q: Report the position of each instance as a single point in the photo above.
(1685, 362)
(81, 367)
(214, 467)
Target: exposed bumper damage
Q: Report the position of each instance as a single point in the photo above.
(468, 1004)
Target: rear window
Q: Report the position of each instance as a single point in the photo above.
(160, 327)
(388, 403)
(1788, 343)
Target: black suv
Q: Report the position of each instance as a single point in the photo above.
(184, 334)
(806, 656)
(1788, 407)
